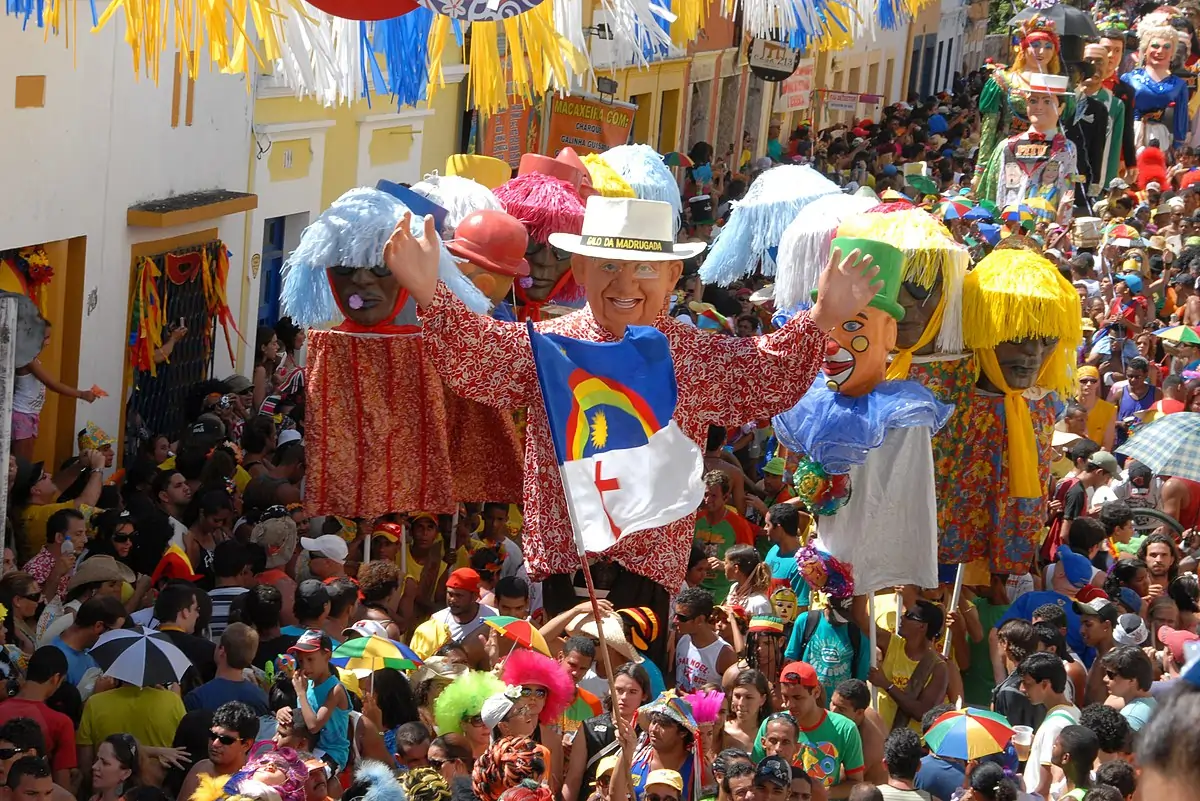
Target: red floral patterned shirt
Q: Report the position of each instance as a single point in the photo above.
(722, 381)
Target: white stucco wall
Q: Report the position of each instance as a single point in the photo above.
(104, 142)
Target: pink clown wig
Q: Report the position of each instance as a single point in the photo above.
(545, 205)
(531, 669)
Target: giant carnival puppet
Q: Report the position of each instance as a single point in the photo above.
(385, 434)
(1160, 98)
(1112, 37)
(1040, 162)
(627, 261)
(1021, 319)
(1108, 167)
(853, 423)
(1002, 101)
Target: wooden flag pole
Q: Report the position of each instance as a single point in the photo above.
(955, 596)
(8, 356)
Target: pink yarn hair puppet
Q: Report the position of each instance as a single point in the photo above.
(527, 668)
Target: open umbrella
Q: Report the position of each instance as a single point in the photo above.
(522, 632)
(922, 184)
(1187, 334)
(1169, 446)
(677, 159)
(968, 734)
(141, 658)
(955, 209)
(980, 212)
(990, 232)
(1018, 213)
(1068, 20)
(375, 652)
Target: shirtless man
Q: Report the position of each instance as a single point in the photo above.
(852, 698)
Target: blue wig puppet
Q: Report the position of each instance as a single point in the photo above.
(377, 414)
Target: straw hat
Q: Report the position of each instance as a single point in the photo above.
(611, 632)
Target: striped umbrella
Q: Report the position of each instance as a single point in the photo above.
(522, 632)
(968, 734)
(139, 657)
(1187, 334)
(1169, 446)
(954, 209)
(1018, 213)
(375, 652)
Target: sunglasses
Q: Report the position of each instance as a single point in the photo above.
(224, 739)
(534, 692)
(913, 616)
(8, 753)
(1088, 381)
(122, 538)
(33, 596)
(379, 271)
(680, 618)
(474, 720)
(437, 764)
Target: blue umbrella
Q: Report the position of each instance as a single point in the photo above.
(989, 232)
(978, 213)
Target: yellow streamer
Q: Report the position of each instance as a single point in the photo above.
(1023, 478)
(902, 359)
(548, 59)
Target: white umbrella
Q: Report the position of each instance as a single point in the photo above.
(139, 657)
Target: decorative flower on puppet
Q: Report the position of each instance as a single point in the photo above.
(821, 492)
(825, 572)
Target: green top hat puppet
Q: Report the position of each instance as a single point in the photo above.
(889, 260)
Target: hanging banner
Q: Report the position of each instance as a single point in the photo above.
(841, 101)
(587, 124)
(509, 134)
(795, 93)
(772, 61)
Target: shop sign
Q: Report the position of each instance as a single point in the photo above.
(841, 101)
(588, 125)
(508, 134)
(795, 93)
(772, 61)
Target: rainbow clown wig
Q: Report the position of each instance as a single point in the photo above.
(605, 180)
(757, 222)
(544, 204)
(352, 233)
(463, 698)
(459, 196)
(525, 668)
(643, 169)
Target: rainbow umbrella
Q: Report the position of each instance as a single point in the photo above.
(954, 209)
(584, 707)
(1187, 334)
(1042, 208)
(677, 159)
(375, 652)
(522, 632)
(1018, 213)
(969, 734)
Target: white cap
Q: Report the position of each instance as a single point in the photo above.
(286, 436)
(331, 546)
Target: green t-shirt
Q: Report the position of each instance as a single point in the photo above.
(715, 540)
(978, 680)
(830, 652)
(828, 749)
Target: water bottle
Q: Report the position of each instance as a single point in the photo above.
(68, 547)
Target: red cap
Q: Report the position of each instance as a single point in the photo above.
(534, 162)
(865, 121)
(800, 673)
(464, 579)
(1175, 640)
(1089, 593)
(492, 240)
(392, 532)
(861, 132)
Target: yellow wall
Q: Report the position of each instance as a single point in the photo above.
(658, 78)
(439, 141)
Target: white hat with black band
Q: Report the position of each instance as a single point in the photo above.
(627, 229)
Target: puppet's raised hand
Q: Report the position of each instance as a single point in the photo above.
(413, 260)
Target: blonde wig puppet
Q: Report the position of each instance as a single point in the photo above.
(1155, 88)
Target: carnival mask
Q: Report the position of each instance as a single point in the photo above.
(622, 293)
(1043, 110)
(1116, 52)
(1159, 52)
(547, 264)
(489, 247)
(1039, 52)
(919, 305)
(369, 296)
(856, 353)
(784, 601)
(1021, 362)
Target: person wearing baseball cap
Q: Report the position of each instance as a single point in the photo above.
(326, 555)
(772, 779)
(464, 613)
(773, 483)
(663, 785)
(1098, 620)
(322, 699)
(830, 744)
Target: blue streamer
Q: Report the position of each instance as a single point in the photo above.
(26, 9)
(404, 44)
(364, 51)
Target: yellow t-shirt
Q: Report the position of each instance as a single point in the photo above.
(31, 531)
(151, 715)
(899, 669)
(462, 558)
(1098, 420)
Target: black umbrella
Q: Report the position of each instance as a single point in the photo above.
(141, 658)
(1068, 20)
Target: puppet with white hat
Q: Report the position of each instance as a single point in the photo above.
(626, 258)
(371, 363)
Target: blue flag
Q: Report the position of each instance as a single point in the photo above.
(625, 463)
